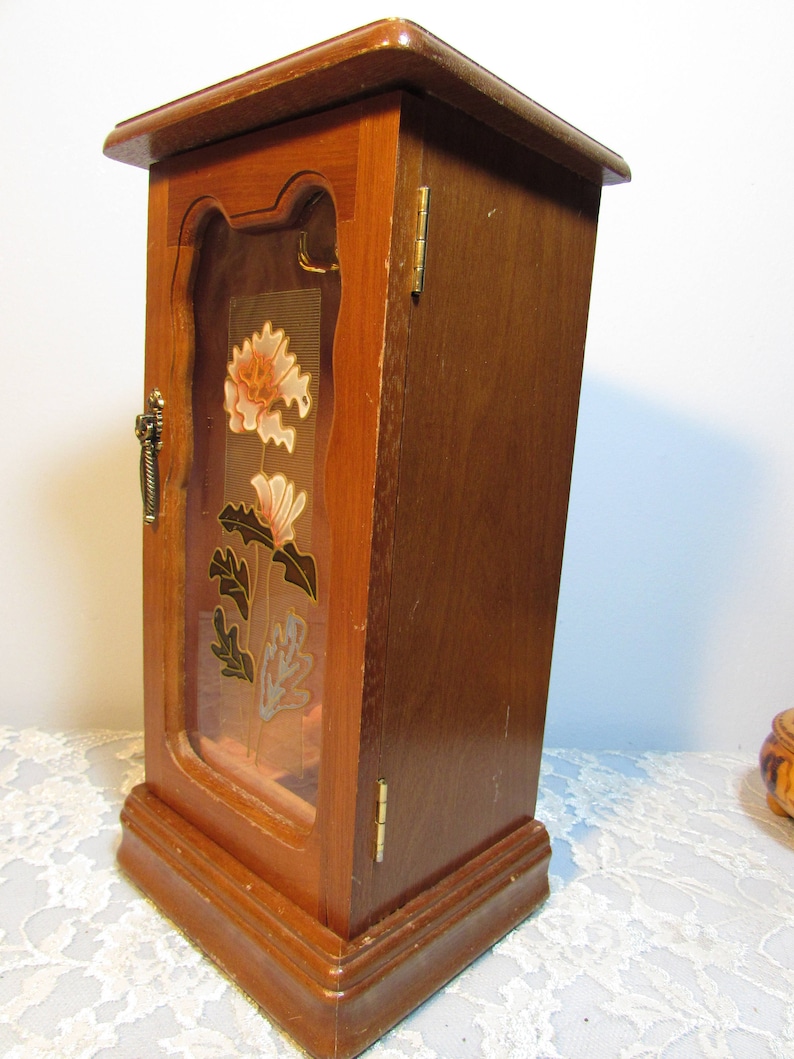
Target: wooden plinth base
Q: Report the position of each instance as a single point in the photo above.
(333, 996)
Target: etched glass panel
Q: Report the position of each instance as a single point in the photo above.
(265, 306)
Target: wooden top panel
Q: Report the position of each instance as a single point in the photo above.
(380, 57)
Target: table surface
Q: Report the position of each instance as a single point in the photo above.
(669, 931)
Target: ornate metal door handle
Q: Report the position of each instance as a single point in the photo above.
(149, 430)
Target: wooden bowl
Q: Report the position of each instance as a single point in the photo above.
(777, 764)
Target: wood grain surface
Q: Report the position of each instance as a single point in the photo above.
(383, 56)
(444, 470)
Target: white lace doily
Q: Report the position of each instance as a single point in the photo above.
(669, 932)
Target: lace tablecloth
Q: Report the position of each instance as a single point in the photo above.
(669, 931)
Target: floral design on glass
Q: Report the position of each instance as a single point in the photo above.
(261, 373)
(279, 508)
(285, 667)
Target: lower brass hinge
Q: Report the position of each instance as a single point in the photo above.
(420, 243)
(380, 820)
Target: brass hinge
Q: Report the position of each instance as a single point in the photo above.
(380, 820)
(420, 243)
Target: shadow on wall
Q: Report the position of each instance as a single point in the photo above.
(657, 522)
(97, 552)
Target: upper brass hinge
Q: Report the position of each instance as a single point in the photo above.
(380, 820)
(420, 243)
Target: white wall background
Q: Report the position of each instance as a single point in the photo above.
(675, 626)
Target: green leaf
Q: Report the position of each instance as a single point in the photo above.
(234, 580)
(236, 662)
(299, 569)
(243, 520)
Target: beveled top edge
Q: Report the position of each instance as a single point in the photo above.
(390, 54)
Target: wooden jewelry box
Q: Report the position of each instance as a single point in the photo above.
(368, 281)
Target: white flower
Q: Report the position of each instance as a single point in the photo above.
(278, 506)
(260, 374)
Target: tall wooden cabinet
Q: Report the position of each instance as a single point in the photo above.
(369, 272)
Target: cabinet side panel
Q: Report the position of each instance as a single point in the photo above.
(492, 387)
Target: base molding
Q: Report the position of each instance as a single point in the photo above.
(334, 997)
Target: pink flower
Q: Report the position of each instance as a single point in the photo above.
(278, 506)
(260, 374)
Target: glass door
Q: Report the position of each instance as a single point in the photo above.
(258, 551)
